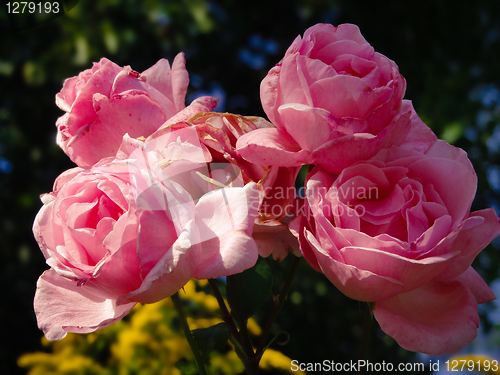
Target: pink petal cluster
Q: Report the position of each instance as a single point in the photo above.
(395, 230)
(136, 230)
(137, 219)
(105, 102)
(386, 216)
(333, 99)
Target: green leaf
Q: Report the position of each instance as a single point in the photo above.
(212, 338)
(252, 290)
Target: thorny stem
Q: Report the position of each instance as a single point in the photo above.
(226, 316)
(245, 355)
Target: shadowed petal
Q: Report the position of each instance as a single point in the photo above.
(434, 319)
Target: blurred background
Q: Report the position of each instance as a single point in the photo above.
(447, 51)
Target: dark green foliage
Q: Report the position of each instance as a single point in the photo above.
(212, 338)
(252, 289)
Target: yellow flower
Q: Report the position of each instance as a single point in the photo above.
(273, 359)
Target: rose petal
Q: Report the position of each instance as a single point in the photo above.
(172, 83)
(199, 105)
(420, 137)
(172, 271)
(101, 82)
(430, 171)
(133, 113)
(331, 52)
(382, 116)
(308, 126)
(268, 92)
(358, 284)
(434, 319)
(298, 229)
(483, 228)
(127, 81)
(117, 274)
(156, 235)
(411, 273)
(61, 306)
(309, 71)
(290, 88)
(337, 154)
(278, 241)
(67, 95)
(477, 286)
(324, 34)
(225, 220)
(270, 147)
(348, 96)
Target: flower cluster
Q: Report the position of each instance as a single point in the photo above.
(163, 193)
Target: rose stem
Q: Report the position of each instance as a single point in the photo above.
(252, 365)
(187, 332)
(228, 319)
(278, 304)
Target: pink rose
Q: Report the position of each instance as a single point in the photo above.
(107, 101)
(333, 99)
(129, 231)
(276, 185)
(396, 230)
(225, 207)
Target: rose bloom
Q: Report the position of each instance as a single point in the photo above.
(333, 99)
(124, 232)
(396, 230)
(105, 102)
(219, 132)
